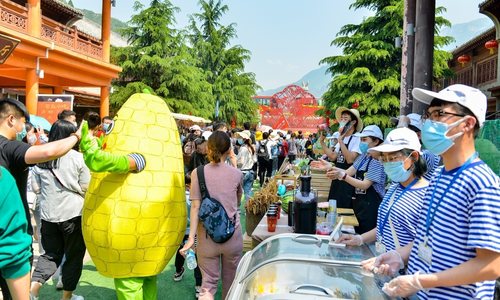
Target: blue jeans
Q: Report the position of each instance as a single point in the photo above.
(248, 178)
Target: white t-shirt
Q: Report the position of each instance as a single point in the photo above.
(353, 145)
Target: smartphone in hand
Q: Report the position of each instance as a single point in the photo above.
(346, 127)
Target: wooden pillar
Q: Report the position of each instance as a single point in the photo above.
(104, 108)
(34, 18)
(58, 90)
(407, 61)
(106, 29)
(31, 91)
(424, 46)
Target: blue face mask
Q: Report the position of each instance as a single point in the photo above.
(434, 136)
(342, 124)
(396, 171)
(363, 147)
(239, 141)
(20, 135)
(105, 127)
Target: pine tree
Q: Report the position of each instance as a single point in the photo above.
(368, 71)
(224, 65)
(158, 59)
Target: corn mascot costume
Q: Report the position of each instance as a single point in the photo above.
(134, 215)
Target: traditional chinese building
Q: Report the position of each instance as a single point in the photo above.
(53, 55)
(475, 63)
(292, 108)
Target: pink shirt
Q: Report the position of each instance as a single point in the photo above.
(223, 183)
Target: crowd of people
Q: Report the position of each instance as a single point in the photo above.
(421, 194)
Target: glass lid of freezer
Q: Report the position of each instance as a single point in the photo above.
(311, 280)
(305, 247)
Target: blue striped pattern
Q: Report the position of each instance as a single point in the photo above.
(404, 215)
(468, 218)
(432, 161)
(375, 172)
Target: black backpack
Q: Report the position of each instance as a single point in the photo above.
(263, 153)
(212, 214)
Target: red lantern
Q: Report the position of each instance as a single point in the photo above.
(491, 45)
(355, 104)
(463, 59)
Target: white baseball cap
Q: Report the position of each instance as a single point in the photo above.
(194, 128)
(464, 95)
(245, 134)
(335, 135)
(398, 139)
(371, 130)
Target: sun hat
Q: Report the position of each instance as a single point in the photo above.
(194, 128)
(371, 130)
(243, 134)
(464, 95)
(355, 112)
(398, 139)
(206, 134)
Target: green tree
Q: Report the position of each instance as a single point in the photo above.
(224, 66)
(158, 59)
(368, 71)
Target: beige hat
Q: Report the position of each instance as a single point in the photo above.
(245, 134)
(355, 112)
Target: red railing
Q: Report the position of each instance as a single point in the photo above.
(15, 16)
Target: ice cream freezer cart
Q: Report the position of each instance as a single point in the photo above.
(304, 266)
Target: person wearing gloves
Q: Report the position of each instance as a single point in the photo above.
(456, 251)
(245, 160)
(344, 154)
(399, 211)
(366, 176)
(414, 122)
(134, 213)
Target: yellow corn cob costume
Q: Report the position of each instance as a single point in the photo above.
(134, 222)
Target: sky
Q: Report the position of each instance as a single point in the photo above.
(287, 38)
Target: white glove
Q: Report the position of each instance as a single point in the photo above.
(350, 240)
(403, 286)
(386, 264)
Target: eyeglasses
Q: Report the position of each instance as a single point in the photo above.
(437, 114)
(391, 158)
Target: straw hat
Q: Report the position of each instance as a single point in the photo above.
(355, 112)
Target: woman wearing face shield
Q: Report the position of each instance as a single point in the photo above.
(399, 211)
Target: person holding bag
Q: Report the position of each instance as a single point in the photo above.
(223, 183)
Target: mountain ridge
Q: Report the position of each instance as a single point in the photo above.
(318, 84)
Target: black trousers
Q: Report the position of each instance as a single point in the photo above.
(179, 263)
(265, 169)
(59, 239)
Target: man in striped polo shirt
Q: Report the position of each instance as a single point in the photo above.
(456, 252)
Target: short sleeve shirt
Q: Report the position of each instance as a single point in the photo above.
(12, 157)
(404, 215)
(353, 144)
(467, 218)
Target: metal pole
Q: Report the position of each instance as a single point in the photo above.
(424, 47)
(408, 56)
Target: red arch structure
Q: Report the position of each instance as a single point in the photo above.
(292, 108)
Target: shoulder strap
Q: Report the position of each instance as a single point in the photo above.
(201, 180)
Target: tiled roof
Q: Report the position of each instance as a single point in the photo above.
(64, 6)
(480, 39)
